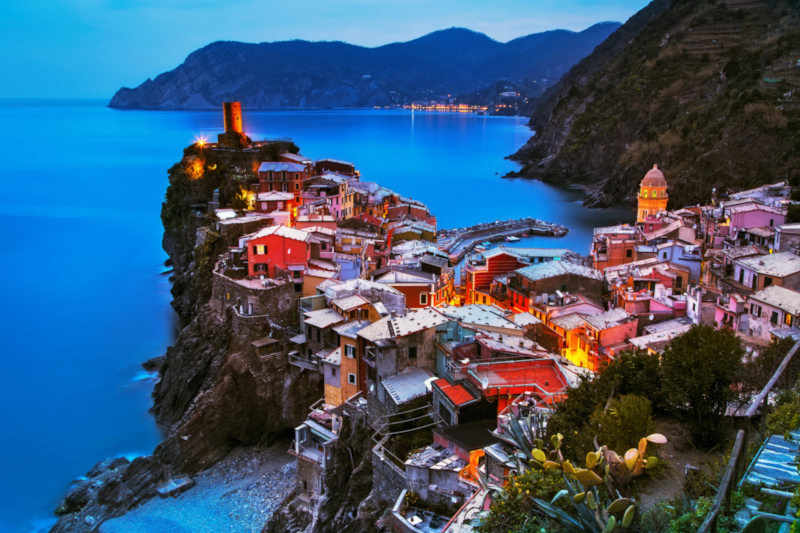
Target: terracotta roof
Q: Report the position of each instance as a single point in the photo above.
(654, 178)
(457, 394)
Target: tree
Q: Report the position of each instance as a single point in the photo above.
(698, 370)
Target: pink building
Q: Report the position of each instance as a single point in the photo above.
(731, 312)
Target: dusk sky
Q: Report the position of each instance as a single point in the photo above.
(90, 48)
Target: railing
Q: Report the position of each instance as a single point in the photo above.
(732, 469)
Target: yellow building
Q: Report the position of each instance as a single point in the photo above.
(652, 194)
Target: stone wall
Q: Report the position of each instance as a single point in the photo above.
(276, 303)
(388, 481)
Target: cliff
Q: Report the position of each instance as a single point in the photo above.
(708, 90)
(336, 74)
(215, 392)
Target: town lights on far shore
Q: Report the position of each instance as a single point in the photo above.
(201, 141)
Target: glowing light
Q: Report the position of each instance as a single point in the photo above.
(201, 141)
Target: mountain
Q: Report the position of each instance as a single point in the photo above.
(708, 90)
(319, 74)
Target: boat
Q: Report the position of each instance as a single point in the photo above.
(486, 244)
(480, 249)
(512, 239)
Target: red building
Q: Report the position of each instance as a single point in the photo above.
(278, 251)
(614, 245)
(283, 177)
(479, 272)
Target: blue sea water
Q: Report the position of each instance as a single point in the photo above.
(86, 298)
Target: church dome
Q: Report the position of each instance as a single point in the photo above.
(654, 178)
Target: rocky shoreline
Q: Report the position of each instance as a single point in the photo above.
(214, 395)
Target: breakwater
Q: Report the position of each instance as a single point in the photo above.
(460, 241)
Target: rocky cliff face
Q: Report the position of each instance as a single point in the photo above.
(347, 505)
(214, 392)
(708, 90)
(335, 74)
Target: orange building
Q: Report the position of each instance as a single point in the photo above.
(652, 194)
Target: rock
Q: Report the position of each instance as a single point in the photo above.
(111, 487)
(108, 464)
(143, 476)
(154, 364)
(176, 486)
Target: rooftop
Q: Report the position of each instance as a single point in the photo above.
(407, 385)
(779, 265)
(351, 329)
(393, 327)
(569, 321)
(457, 394)
(349, 302)
(557, 268)
(526, 319)
(275, 166)
(542, 375)
(779, 297)
(281, 231)
(482, 315)
(333, 358)
(655, 340)
(608, 319)
(436, 457)
(274, 196)
(323, 318)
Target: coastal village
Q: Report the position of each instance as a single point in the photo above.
(436, 338)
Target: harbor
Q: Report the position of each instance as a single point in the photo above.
(460, 241)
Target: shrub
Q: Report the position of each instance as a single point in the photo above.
(785, 416)
(513, 510)
(698, 370)
(624, 422)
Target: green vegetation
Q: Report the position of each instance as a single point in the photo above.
(698, 370)
(701, 90)
(785, 414)
(585, 499)
(623, 422)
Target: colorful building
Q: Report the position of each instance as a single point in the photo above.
(653, 196)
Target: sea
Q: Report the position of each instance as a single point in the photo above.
(87, 292)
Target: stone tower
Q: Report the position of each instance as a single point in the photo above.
(652, 194)
(233, 117)
(234, 136)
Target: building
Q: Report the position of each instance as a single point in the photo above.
(554, 278)
(755, 273)
(653, 196)
(770, 309)
(283, 177)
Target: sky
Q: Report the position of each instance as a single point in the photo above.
(90, 48)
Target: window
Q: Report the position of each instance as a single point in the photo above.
(350, 351)
(333, 371)
(412, 352)
(663, 255)
(628, 253)
(767, 281)
(260, 249)
(319, 334)
(423, 299)
(755, 310)
(787, 319)
(678, 282)
(297, 186)
(351, 378)
(773, 319)
(297, 274)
